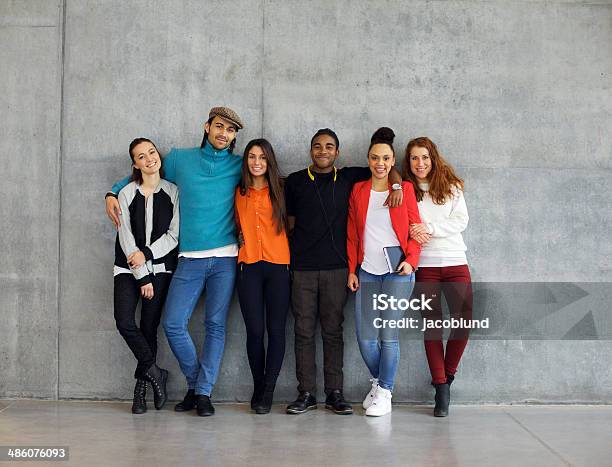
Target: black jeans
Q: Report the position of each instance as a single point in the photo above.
(141, 341)
(264, 285)
(319, 294)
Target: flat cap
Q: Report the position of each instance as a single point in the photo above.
(228, 114)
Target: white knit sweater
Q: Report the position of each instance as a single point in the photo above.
(445, 223)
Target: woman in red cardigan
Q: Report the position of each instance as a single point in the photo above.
(372, 227)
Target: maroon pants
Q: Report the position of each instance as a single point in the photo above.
(455, 283)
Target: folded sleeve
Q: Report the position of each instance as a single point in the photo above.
(117, 187)
(414, 247)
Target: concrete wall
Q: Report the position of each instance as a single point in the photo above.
(30, 100)
(517, 94)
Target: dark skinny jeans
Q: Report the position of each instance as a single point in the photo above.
(263, 292)
(142, 340)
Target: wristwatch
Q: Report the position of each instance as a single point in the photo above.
(396, 186)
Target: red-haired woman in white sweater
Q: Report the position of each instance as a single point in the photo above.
(443, 264)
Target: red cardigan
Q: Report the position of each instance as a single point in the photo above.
(401, 219)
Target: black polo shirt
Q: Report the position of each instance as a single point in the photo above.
(320, 208)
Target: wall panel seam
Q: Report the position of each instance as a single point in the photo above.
(263, 66)
(62, 46)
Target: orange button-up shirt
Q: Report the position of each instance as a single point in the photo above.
(255, 219)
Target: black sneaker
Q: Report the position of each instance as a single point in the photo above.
(188, 403)
(335, 401)
(205, 407)
(303, 403)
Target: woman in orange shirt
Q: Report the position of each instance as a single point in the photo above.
(263, 267)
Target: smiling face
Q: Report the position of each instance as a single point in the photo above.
(146, 158)
(257, 162)
(221, 132)
(381, 160)
(420, 163)
(324, 152)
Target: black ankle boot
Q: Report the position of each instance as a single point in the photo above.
(442, 399)
(158, 377)
(139, 404)
(450, 379)
(258, 390)
(264, 405)
(188, 402)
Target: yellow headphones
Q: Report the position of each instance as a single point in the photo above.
(311, 176)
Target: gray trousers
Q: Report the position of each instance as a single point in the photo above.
(319, 295)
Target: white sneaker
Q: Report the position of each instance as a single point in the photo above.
(367, 402)
(381, 405)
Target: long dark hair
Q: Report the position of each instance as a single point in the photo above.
(136, 173)
(275, 186)
(232, 144)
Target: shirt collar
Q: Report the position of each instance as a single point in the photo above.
(209, 150)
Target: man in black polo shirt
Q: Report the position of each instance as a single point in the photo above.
(317, 201)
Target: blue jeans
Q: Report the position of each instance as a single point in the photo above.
(380, 347)
(192, 276)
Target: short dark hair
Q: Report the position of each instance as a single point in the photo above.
(232, 144)
(136, 173)
(328, 132)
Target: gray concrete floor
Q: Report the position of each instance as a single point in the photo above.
(107, 434)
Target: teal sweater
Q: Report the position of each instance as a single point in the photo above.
(206, 180)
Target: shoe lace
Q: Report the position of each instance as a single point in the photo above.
(140, 390)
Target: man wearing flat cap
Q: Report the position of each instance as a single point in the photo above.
(206, 177)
